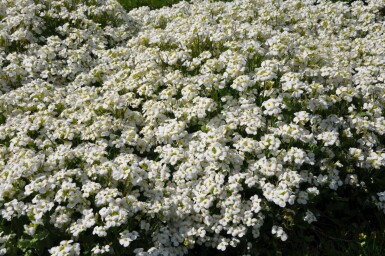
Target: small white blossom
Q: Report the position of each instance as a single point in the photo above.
(309, 217)
(279, 232)
(66, 248)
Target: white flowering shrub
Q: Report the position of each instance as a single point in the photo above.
(207, 124)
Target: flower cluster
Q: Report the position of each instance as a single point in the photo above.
(156, 131)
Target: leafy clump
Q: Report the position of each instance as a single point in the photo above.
(241, 126)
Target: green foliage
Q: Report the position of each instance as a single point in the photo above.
(2, 118)
(153, 4)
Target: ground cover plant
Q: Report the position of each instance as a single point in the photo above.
(153, 4)
(250, 127)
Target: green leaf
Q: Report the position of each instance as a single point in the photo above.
(24, 244)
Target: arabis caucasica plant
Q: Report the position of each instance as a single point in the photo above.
(151, 132)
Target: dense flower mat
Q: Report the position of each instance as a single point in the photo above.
(154, 131)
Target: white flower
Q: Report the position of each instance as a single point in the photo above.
(127, 237)
(279, 232)
(329, 138)
(241, 83)
(216, 151)
(66, 248)
(309, 217)
(272, 106)
(4, 239)
(223, 245)
(100, 231)
(101, 250)
(263, 74)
